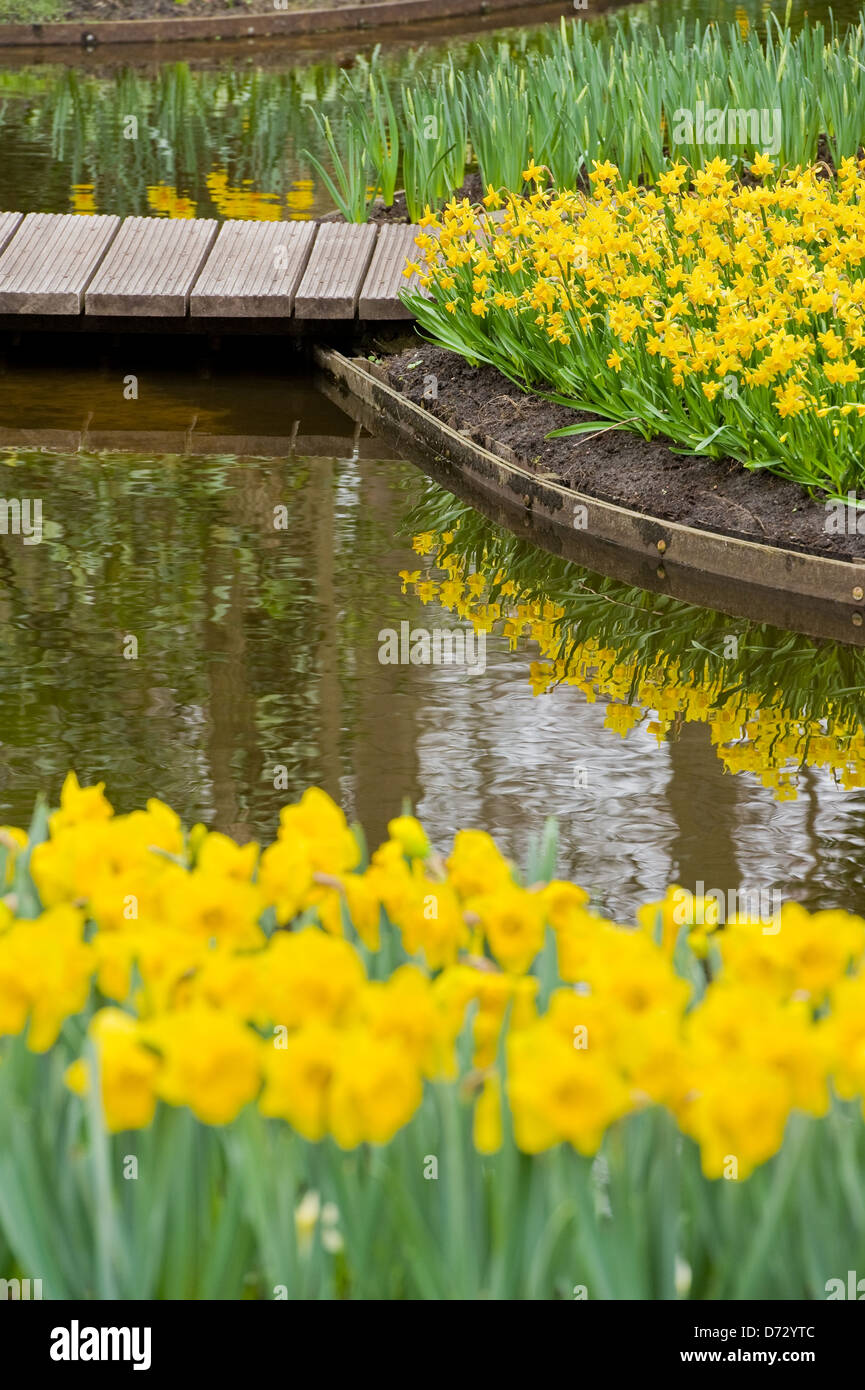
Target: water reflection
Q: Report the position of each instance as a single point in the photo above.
(252, 589)
(183, 138)
(774, 703)
(738, 753)
(258, 659)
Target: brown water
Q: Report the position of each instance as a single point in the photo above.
(258, 650)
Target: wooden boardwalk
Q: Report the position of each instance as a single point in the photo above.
(78, 270)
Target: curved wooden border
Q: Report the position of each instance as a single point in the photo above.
(297, 24)
(787, 588)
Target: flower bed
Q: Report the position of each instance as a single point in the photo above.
(302, 1072)
(726, 318)
(716, 495)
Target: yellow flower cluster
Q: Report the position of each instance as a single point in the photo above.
(696, 289)
(752, 731)
(225, 977)
(722, 279)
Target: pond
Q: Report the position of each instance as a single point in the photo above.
(158, 520)
(255, 544)
(231, 136)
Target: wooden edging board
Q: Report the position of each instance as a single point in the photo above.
(787, 588)
(275, 24)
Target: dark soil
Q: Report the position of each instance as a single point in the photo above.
(398, 212)
(471, 189)
(92, 10)
(617, 466)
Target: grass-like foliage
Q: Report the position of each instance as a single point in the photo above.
(629, 95)
(30, 11)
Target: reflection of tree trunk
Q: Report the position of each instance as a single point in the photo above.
(809, 883)
(702, 802)
(384, 745)
(231, 712)
(234, 743)
(321, 484)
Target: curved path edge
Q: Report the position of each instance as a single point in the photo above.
(296, 24)
(793, 589)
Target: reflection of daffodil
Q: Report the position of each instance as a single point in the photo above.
(299, 199)
(165, 201)
(83, 198)
(750, 731)
(241, 202)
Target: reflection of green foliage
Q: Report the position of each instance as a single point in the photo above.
(251, 123)
(187, 124)
(245, 122)
(229, 614)
(814, 678)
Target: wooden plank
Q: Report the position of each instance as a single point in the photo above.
(151, 267)
(379, 297)
(50, 260)
(8, 223)
(337, 268)
(253, 270)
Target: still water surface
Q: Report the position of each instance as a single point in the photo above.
(258, 648)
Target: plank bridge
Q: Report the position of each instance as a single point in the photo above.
(72, 272)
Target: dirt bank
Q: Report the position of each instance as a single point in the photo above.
(616, 466)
